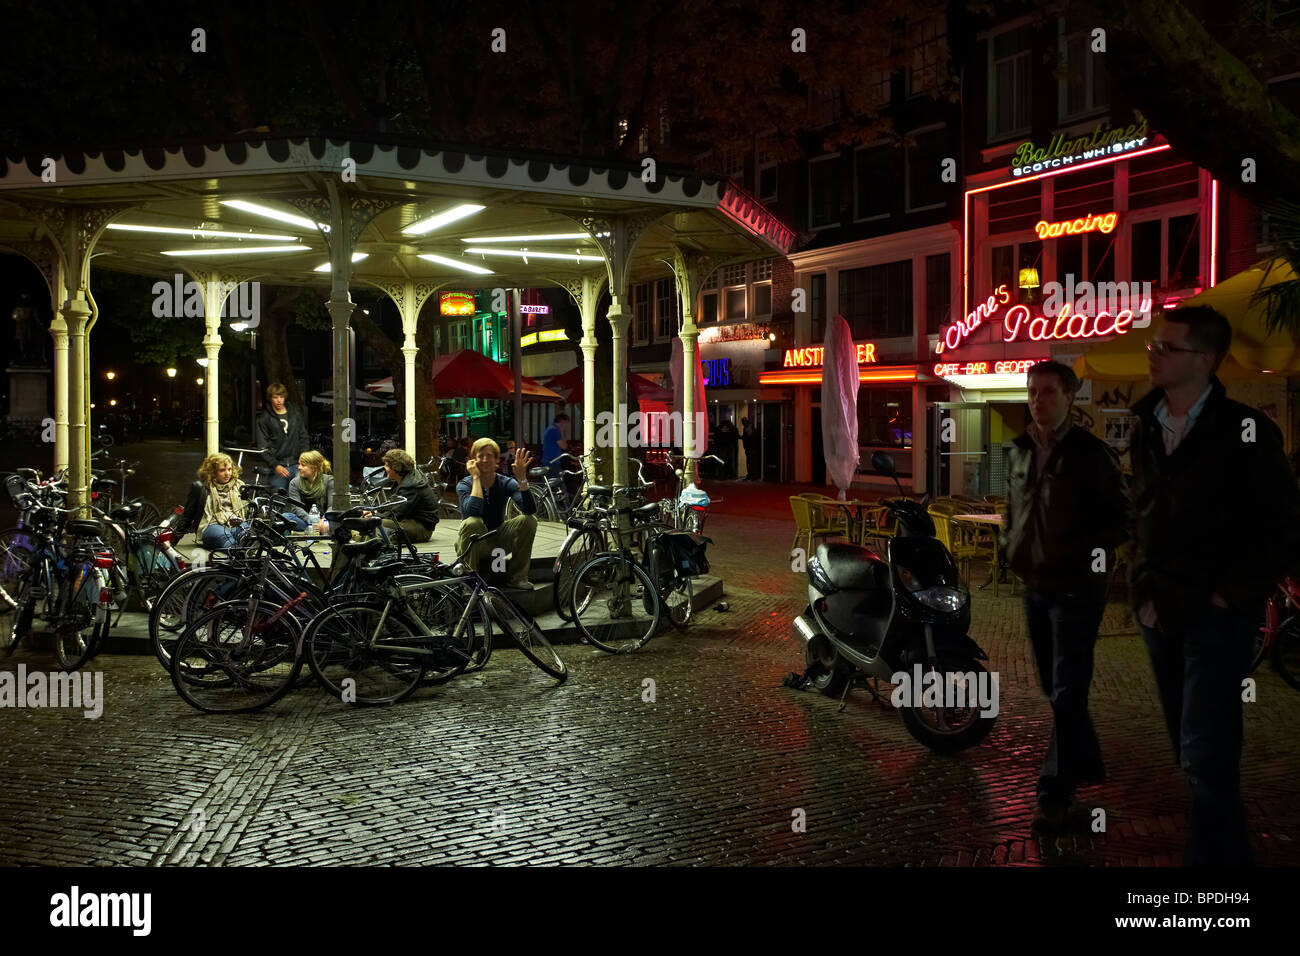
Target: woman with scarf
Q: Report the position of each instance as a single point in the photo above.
(222, 524)
(313, 485)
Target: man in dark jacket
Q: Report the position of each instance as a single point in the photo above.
(417, 516)
(280, 430)
(1217, 525)
(749, 435)
(483, 498)
(1066, 513)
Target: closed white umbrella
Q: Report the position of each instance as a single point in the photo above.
(840, 404)
(675, 360)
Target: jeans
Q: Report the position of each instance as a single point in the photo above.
(217, 537)
(1063, 632)
(515, 539)
(276, 480)
(1199, 674)
(293, 519)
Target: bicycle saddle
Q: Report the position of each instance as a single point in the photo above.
(82, 528)
(538, 473)
(364, 525)
(363, 549)
(382, 570)
(126, 512)
(103, 483)
(600, 491)
(646, 511)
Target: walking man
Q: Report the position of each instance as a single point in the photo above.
(1218, 524)
(1066, 514)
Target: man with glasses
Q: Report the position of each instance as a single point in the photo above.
(1217, 524)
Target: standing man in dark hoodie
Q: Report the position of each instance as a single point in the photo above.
(417, 516)
(1066, 514)
(1218, 524)
(281, 430)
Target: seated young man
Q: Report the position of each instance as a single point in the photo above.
(483, 497)
(418, 516)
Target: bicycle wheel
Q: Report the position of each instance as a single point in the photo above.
(77, 622)
(440, 610)
(526, 633)
(1286, 652)
(615, 604)
(574, 553)
(15, 576)
(679, 602)
(182, 599)
(149, 515)
(230, 660)
(339, 651)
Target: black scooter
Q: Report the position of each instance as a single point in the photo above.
(903, 621)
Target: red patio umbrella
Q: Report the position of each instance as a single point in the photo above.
(645, 390)
(470, 374)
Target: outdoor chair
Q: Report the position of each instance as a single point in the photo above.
(811, 519)
(962, 545)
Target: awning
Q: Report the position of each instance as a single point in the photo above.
(362, 399)
(570, 386)
(470, 374)
(1253, 356)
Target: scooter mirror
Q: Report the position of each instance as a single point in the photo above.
(883, 464)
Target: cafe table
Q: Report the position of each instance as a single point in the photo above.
(989, 522)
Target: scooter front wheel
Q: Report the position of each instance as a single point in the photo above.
(958, 722)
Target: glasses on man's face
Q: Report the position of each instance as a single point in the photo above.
(1164, 348)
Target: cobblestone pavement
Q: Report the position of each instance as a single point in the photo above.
(506, 767)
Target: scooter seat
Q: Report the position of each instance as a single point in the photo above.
(852, 567)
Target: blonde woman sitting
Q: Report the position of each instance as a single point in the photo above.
(224, 509)
(313, 485)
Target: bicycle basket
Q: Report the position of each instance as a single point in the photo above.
(688, 552)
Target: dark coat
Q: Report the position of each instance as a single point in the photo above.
(421, 500)
(1056, 520)
(285, 446)
(1221, 515)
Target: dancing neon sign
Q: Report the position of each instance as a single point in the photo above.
(1072, 227)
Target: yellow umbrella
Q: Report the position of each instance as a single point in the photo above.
(1253, 354)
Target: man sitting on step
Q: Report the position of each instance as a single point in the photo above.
(483, 497)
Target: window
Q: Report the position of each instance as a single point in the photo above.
(708, 308)
(938, 291)
(928, 41)
(641, 312)
(1085, 88)
(763, 299)
(824, 192)
(817, 305)
(1006, 263)
(885, 417)
(733, 164)
(736, 304)
(877, 300)
(763, 270)
(1167, 252)
(1009, 62)
(879, 89)
(1086, 192)
(666, 312)
(873, 176)
(1101, 257)
(1144, 238)
(765, 161)
(733, 275)
(825, 106)
(1014, 208)
(1158, 179)
(925, 187)
(665, 127)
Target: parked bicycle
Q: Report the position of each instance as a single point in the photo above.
(1278, 638)
(109, 494)
(688, 508)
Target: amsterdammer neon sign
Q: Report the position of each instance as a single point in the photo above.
(814, 355)
(1072, 227)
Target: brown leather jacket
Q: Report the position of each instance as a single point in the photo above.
(1057, 519)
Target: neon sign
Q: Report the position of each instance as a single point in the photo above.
(955, 334)
(1075, 326)
(534, 309)
(1072, 227)
(716, 371)
(1006, 367)
(456, 303)
(1065, 152)
(814, 355)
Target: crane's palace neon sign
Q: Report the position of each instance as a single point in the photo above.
(1019, 324)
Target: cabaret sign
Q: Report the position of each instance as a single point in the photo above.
(814, 356)
(1072, 227)
(1063, 151)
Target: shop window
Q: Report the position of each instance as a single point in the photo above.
(885, 418)
(1184, 260)
(641, 312)
(666, 311)
(873, 171)
(925, 188)
(824, 192)
(1084, 88)
(1009, 67)
(817, 305)
(938, 291)
(877, 300)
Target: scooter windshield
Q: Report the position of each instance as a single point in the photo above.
(924, 560)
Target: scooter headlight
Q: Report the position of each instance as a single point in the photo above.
(817, 577)
(948, 600)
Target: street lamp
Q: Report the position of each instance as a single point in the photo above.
(171, 373)
(110, 375)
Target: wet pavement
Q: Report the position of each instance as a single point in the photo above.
(719, 765)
